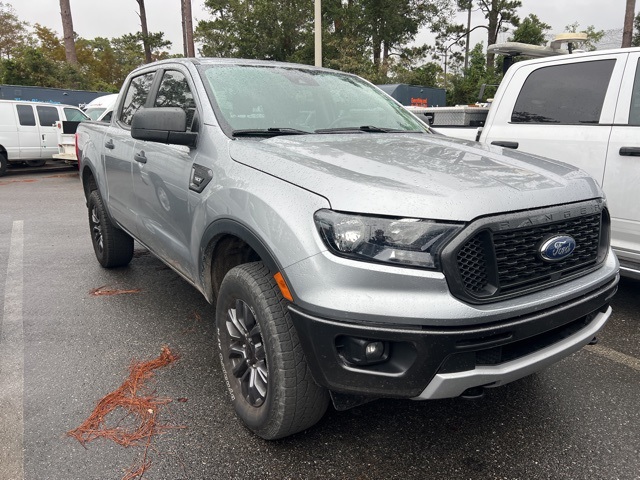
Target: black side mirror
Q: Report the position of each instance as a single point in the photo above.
(162, 125)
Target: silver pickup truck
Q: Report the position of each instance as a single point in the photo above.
(351, 254)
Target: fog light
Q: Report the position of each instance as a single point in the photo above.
(361, 351)
(374, 350)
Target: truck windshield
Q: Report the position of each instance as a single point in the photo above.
(277, 100)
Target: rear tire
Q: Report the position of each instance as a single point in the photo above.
(113, 247)
(265, 369)
(3, 164)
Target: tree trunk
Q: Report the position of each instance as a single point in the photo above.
(67, 29)
(492, 34)
(187, 20)
(145, 32)
(184, 30)
(627, 32)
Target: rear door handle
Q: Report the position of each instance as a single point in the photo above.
(502, 143)
(140, 157)
(630, 151)
(109, 144)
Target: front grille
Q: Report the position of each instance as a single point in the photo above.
(495, 262)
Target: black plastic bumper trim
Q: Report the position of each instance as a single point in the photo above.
(431, 346)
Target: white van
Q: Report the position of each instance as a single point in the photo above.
(101, 108)
(28, 131)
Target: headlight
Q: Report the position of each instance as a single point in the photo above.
(403, 241)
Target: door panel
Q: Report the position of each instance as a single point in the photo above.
(161, 185)
(28, 133)
(119, 153)
(47, 118)
(563, 110)
(161, 181)
(118, 159)
(622, 174)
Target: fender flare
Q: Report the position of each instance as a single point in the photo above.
(226, 226)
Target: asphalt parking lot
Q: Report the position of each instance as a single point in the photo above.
(63, 348)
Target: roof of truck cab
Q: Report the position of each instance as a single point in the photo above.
(232, 61)
(575, 55)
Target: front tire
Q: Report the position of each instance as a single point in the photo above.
(264, 366)
(113, 247)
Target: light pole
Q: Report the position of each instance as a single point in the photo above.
(318, 32)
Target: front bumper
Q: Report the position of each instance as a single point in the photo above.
(441, 362)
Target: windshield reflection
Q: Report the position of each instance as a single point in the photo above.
(280, 100)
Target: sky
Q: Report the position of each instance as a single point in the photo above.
(113, 18)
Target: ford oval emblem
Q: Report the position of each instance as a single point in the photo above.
(557, 248)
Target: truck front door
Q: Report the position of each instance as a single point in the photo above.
(161, 176)
(622, 173)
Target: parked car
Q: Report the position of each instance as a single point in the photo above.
(28, 131)
(351, 253)
(583, 109)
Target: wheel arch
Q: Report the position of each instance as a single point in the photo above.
(225, 244)
(89, 182)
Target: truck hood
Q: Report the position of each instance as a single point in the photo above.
(415, 175)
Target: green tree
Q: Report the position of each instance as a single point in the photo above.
(263, 29)
(532, 31)
(466, 87)
(635, 41)
(49, 42)
(593, 36)
(13, 31)
(499, 14)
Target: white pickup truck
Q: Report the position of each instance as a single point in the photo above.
(583, 109)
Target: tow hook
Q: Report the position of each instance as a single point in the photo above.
(593, 341)
(473, 393)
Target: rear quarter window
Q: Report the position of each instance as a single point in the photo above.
(564, 94)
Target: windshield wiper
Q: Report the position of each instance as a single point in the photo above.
(267, 132)
(364, 128)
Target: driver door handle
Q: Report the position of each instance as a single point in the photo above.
(505, 144)
(140, 157)
(109, 144)
(630, 151)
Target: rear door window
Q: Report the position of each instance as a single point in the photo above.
(26, 117)
(634, 111)
(136, 96)
(48, 116)
(571, 94)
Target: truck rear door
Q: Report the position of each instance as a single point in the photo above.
(119, 153)
(562, 109)
(622, 172)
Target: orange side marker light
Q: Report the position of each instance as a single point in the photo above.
(284, 289)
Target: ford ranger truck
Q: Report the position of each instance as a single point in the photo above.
(350, 253)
